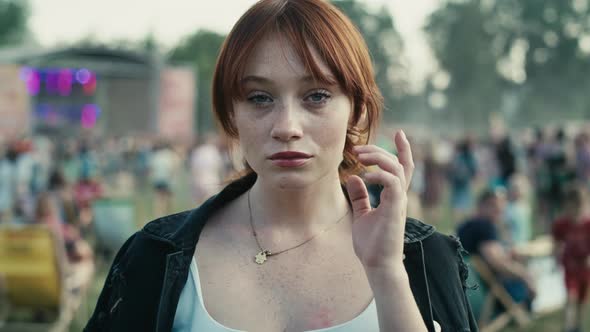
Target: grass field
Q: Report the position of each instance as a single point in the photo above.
(549, 323)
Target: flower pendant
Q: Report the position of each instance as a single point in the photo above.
(260, 258)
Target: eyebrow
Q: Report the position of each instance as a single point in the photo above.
(264, 80)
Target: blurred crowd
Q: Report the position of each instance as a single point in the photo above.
(500, 188)
(56, 181)
(533, 168)
(500, 193)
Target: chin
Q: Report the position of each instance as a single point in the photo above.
(289, 180)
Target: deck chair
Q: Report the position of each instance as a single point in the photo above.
(34, 277)
(491, 292)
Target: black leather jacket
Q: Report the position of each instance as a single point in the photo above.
(144, 283)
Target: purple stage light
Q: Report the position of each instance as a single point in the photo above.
(89, 116)
(33, 83)
(83, 76)
(51, 81)
(64, 82)
(25, 73)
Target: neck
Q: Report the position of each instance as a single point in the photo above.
(297, 212)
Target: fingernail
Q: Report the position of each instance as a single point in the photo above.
(403, 134)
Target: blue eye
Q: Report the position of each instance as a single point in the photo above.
(318, 97)
(260, 99)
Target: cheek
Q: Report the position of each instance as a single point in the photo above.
(247, 138)
(331, 135)
(331, 132)
(248, 129)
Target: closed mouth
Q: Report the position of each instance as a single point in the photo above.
(290, 155)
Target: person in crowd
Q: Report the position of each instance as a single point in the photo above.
(47, 213)
(69, 162)
(560, 173)
(518, 218)
(163, 165)
(571, 232)
(538, 152)
(506, 157)
(42, 159)
(434, 181)
(7, 183)
(293, 244)
(206, 165)
(462, 173)
(582, 154)
(64, 194)
(480, 235)
(24, 199)
(86, 191)
(142, 152)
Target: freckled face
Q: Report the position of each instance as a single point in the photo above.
(291, 128)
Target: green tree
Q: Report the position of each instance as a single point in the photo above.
(200, 50)
(528, 59)
(386, 47)
(555, 37)
(462, 45)
(13, 21)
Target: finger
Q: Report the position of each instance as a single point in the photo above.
(392, 194)
(388, 163)
(391, 183)
(404, 153)
(372, 148)
(358, 195)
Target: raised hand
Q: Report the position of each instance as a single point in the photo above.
(378, 234)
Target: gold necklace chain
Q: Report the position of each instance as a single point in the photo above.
(262, 256)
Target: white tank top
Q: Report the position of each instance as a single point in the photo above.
(191, 315)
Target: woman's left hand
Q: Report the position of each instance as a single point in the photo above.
(378, 233)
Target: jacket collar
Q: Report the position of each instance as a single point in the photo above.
(182, 230)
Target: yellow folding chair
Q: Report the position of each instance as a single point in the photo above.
(31, 267)
(32, 270)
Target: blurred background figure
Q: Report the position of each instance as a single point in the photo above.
(433, 192)
(163, 166)
(571, 232)
(47, 213)
(206, 164)
(518, 218)
(506, 157)
(7, 185)
(462, 173)
(582, 154)
(481, 235)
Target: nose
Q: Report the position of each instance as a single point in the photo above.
(287, 126)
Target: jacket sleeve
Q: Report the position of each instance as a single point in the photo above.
(106, 301)
(447, 281)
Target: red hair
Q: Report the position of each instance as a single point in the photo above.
(304, 24)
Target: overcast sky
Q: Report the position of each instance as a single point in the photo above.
(59, 21)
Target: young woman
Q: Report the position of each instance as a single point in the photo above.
(294, 244)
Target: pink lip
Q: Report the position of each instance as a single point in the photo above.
(290, 158)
